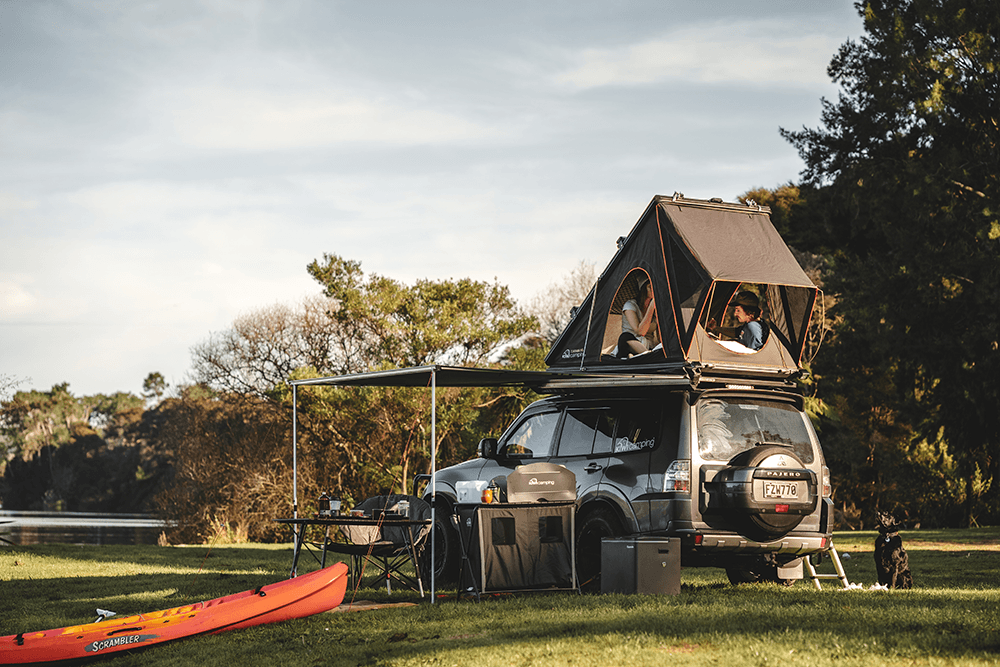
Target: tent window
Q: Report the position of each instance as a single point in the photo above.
(734, 330)
(628, 291)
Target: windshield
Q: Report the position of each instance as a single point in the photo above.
(728, 426)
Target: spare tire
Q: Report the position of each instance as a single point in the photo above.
(766, 491)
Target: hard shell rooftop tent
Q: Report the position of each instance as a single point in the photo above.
(697, 254)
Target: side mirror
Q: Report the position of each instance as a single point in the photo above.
(488, 448)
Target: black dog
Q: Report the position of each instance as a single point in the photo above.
(891, 561)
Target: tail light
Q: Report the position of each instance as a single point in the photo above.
(827, 486)
(678, 476)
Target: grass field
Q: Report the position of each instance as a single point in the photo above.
(952, 617)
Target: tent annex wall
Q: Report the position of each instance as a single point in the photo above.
(696, 254)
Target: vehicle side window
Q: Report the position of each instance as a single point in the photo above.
(579, 427)
(604, 438)
(637, 430)
(533, 437)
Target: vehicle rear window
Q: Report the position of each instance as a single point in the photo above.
(728, 426)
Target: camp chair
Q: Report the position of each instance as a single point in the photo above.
(384, 550)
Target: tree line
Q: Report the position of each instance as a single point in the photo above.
(896, 217)
(216, 455)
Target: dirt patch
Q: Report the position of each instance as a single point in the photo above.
(367, 605)
(972, 545)
(680, 648)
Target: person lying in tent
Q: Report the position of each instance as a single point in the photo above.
(746, 309)
(639, 332)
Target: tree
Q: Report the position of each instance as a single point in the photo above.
(32, 419)
(232, 466)
(361, 441)
(907, 161)
(554, 305)
(386, 324)
(77, 452)
(264, 347)
(7, 384)
(153, 387)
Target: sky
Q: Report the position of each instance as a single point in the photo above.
(168, 166)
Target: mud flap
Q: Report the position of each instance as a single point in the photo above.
(791, 570)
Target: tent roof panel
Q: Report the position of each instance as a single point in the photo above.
(736, 245)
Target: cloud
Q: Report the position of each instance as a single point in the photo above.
(15, 299)
(11, 205)
(706, 53)
(219, 118)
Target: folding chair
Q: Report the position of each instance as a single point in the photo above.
(387, 549)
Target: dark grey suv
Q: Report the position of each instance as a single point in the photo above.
(736, 472)
(678, 425)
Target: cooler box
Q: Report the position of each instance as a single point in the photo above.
(646, 565)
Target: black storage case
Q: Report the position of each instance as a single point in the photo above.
(646, 565)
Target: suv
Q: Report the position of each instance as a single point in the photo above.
(735, 471)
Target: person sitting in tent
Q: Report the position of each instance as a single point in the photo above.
(639, 332)
(751, 332)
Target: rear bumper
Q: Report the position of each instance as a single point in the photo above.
(718, 549)
(729, 543)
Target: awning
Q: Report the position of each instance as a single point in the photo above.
(459, 376)
(445, 376)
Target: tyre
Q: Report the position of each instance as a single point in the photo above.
(446, 559)
(596, 524)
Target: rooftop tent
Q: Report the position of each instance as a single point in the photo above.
(697, 255)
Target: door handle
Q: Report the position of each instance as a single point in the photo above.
(593, 467)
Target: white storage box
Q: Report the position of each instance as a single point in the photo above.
(470, 493)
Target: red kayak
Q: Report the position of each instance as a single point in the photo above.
(293, 598)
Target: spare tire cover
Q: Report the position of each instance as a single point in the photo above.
(759, 518)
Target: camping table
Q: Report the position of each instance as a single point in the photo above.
(301, 525)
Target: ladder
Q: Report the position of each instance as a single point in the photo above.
(837, 565)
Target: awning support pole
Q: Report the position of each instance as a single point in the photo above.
(433, 479)
(295, 453)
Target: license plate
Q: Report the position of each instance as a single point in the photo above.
(781, 490)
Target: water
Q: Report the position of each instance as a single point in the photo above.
(24, 528)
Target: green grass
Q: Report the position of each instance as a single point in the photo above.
(950, 618)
